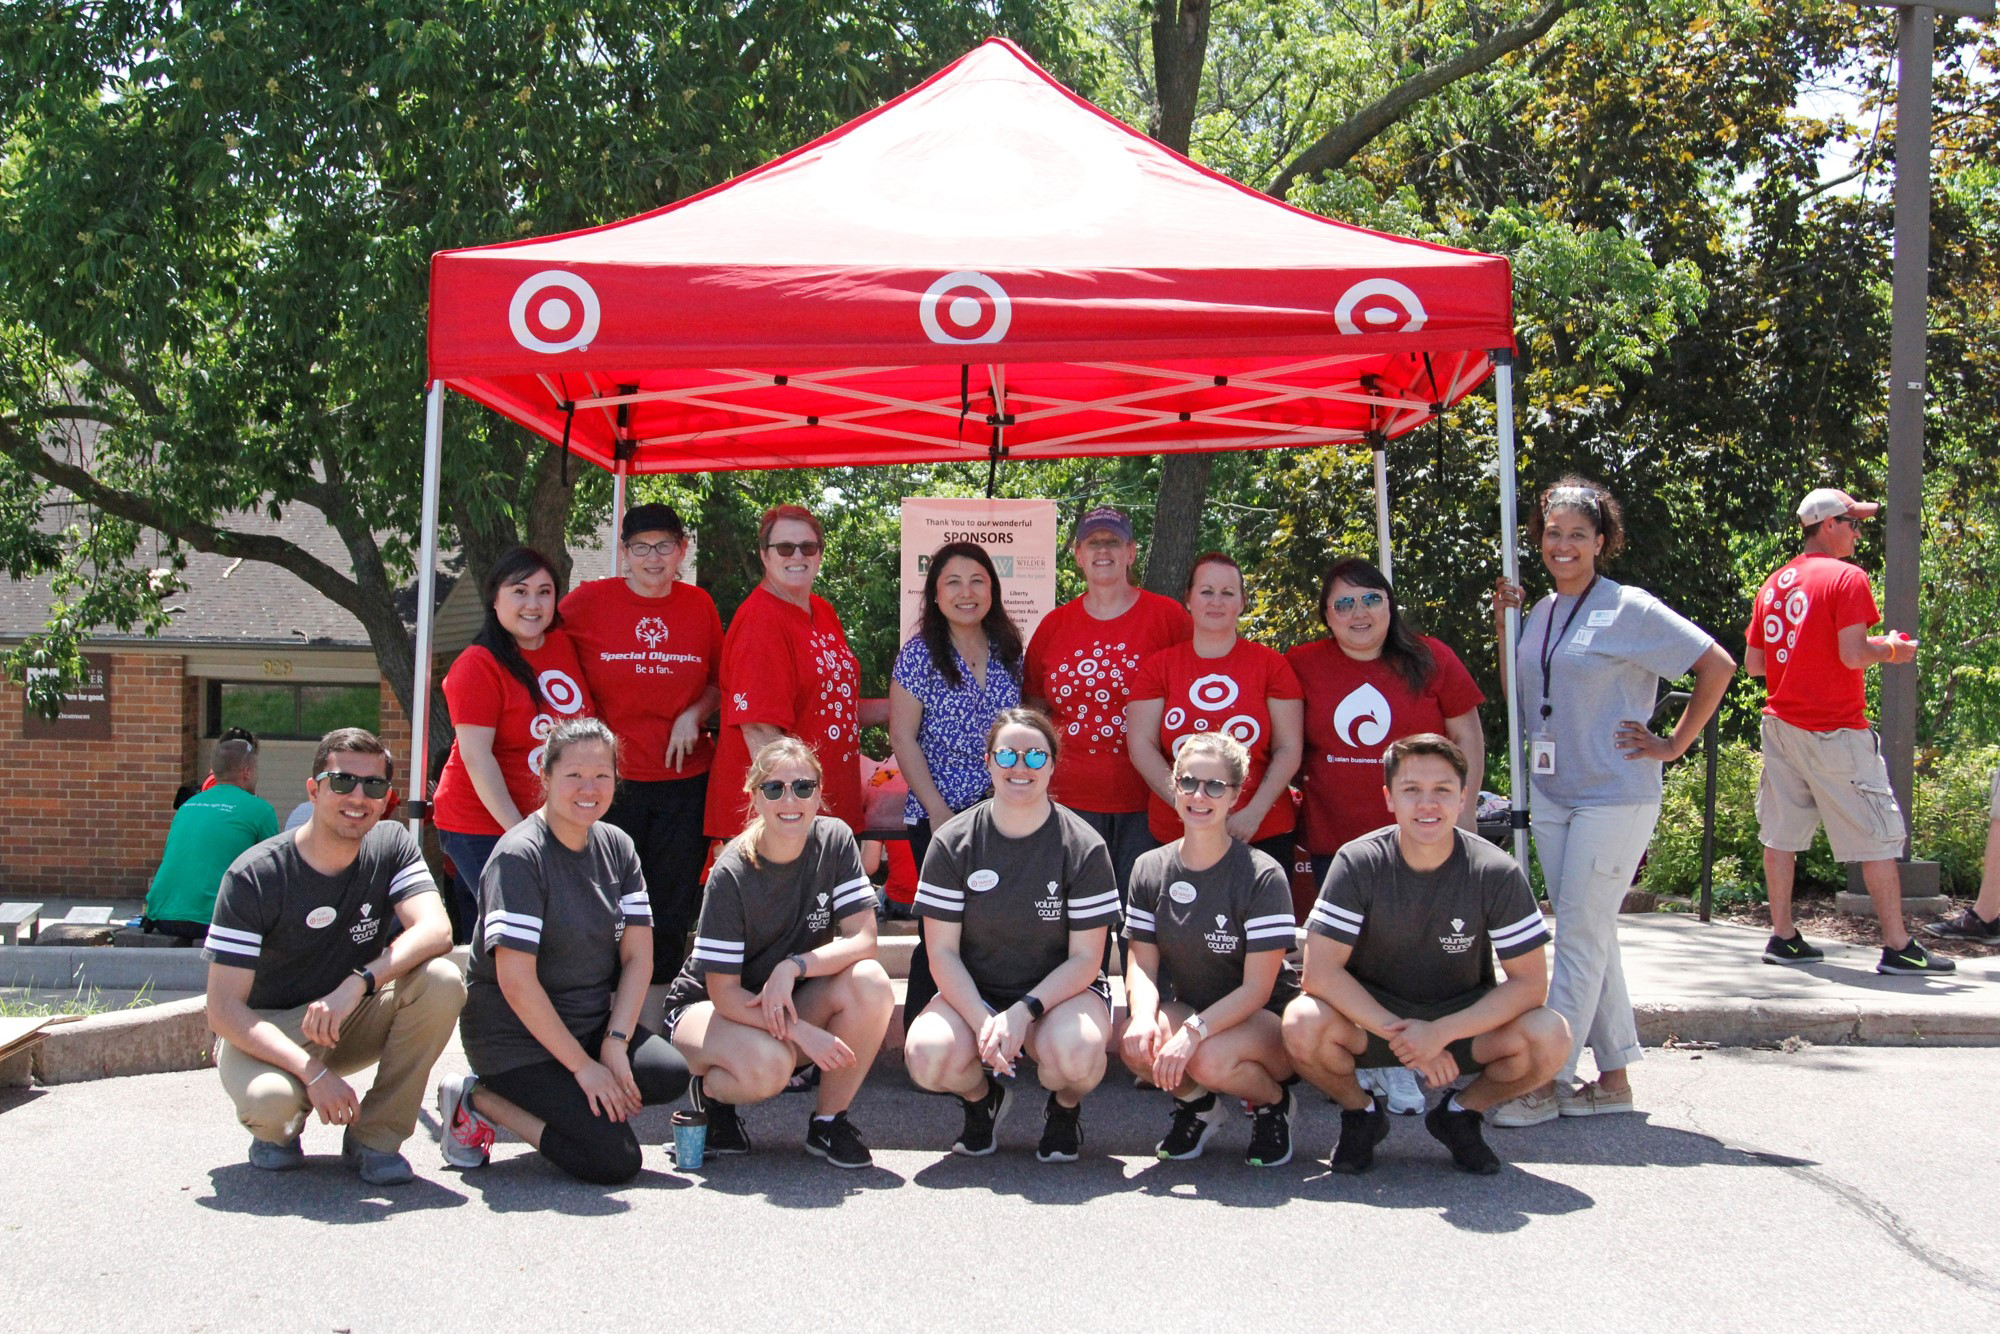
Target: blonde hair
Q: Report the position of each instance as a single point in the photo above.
(1215, 746)
(784, 750)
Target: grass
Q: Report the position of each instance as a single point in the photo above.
(81, 1001)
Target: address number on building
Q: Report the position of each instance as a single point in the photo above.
(277, 666)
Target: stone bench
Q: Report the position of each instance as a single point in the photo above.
(18, 919)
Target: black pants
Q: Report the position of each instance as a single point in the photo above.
(580, 1142)
(921, 987)
(664, 820)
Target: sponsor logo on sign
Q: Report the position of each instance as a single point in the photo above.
(1380, 303)
(320, 918)
(1181, 892)
(1362, 719)
(553, 312)
(964, 313)
(982, 880)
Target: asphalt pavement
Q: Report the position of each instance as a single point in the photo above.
(1829, 1187)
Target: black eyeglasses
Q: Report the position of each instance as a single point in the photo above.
(372, 788)
(1007, 756)
(1345, 603)
(796, 548)
(801, 788)
(644, 549)
(1208, 787)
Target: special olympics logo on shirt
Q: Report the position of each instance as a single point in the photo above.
(1214, 692)
(563, 694)
(1362, 720)
(652, 631)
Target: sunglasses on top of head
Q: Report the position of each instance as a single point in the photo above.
(801, 788)
(1344, 604)
(1208, 787)
(1006, 756)
(372, 788)
(807, 549)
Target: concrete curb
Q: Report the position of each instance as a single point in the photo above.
(143, 1041)
(107, 968)
(1752, 1023)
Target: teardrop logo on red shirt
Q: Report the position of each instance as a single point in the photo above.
(1363, 717)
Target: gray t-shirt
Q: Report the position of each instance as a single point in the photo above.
(1427, 936)
(752, 917)
(569, 910)
(1206, 923)
(1603, 669)
(1017, 899)
(305, 933)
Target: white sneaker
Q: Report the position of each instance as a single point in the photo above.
(1397, 1087)
(465, 1136)
(1530, 1109)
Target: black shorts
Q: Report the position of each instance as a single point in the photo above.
(1379, 1057)
(999, 1002)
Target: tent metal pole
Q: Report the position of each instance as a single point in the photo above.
(617, 516)
(1382, 509)
(420, 691)
(1510, 565)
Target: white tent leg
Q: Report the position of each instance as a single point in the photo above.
(1510, 565)
(420, 691)
(617, 517)
(1382, 511)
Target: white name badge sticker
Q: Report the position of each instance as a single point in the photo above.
(1181, 892)
(320, 917)
(981, 881)
(1600, 619)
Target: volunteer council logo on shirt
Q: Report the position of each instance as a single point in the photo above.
(1221, 940)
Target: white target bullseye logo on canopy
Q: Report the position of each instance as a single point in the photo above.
(1244, 728)
(560, 691)
(964, 317)
(553, 311)
(1213, 692)
(1380, 302)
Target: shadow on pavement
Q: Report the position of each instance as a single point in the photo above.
(525, 1182)
(12, 1098)
(1627, 1141)
(787, 1176)
(323, 1191)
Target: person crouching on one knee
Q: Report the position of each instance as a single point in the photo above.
(1205, 973)
(783, 971)
(1018, 900)
(560, 966)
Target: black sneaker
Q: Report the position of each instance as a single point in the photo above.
(1360, 1132)
(1271, 1133)
(1194, 1121)
(1968, 925)
(726, 1134)
(1459, 1132)
(1913, 959)
(1795, 950)
(804, 1080)
(837, 1141)
(1062, 1133)
(982, 1120)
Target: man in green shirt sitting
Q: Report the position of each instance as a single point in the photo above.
(210, 830)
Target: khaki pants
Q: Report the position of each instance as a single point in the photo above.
(400, 1030)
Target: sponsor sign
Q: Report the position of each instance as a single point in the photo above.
(1022, 536)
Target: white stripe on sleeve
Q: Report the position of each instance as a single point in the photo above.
(514, 927)
(409, 880)
(1348, 925)
(1140, 919)
(710, 950)
(1519, 933)
(231, 941)
(854, 891)
(1096, 905)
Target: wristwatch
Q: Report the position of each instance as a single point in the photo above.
(367, 981)
(1197, 1023)
(622, 1037)
(1033, 1004)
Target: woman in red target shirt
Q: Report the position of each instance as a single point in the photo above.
(1220, 682)
(787, 670)
(517, 679)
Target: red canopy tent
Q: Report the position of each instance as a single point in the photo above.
(985, 267)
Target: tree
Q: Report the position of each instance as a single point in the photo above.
(215, 221)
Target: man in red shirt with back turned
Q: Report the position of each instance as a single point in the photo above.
(1808, 638)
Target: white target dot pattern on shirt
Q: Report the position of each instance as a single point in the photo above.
(1089, 691)
(562, 694)
(1782, 618)
(1208, 696)
(839, 682)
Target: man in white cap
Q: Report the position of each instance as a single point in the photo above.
(1808, 638)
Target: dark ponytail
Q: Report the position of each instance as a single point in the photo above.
(514, 565)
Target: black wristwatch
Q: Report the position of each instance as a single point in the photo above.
(1035, 1007)
(622, 1037)
(367, 981)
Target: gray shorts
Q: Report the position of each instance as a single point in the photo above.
(1837, 778)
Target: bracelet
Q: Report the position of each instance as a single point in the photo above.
(324, 1071)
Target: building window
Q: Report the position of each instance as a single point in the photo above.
(291, 712)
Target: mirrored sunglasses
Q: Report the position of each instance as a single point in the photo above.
(1006, 756)
(1208, 787)
(372, 788)
(801, 788)
(1344, 604)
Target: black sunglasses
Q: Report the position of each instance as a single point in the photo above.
(796, 548)
(1208, 787)
(1006, 756)
(801, 788)
(372, 788)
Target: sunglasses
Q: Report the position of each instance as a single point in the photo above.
(1345, 604)
(372, 788)
(645, 549)
(1847, 519)
(1208, 787)
(796, 548)
(1005, 756)
(801, 788)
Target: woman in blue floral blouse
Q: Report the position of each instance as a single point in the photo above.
(961, 668)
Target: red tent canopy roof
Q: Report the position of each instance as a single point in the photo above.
(986, 254)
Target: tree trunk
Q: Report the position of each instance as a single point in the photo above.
(1177, 509)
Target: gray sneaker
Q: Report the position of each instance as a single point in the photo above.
(276, 1157)
(373, 1165)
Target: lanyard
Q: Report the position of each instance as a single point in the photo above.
(1548, 654)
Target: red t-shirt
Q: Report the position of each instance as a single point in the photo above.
(1230, 694)
(1082, 670)
(1797, 619)
(1353, 711)
(792, 669)
(645, 660)
(478, 692)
